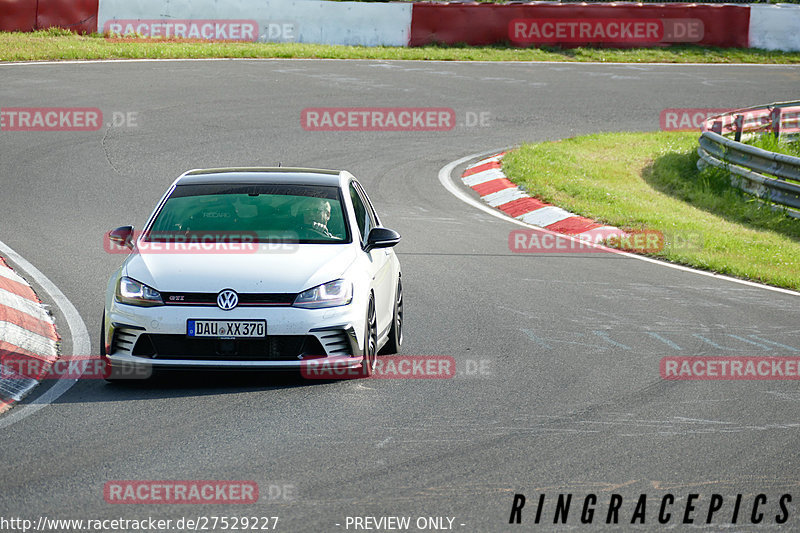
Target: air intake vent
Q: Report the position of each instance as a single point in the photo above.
(336, 342)
(123, 340)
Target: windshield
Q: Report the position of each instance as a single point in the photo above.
(265, 213)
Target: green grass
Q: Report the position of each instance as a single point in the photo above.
(770, 143)
(641, 181)
(58, 44)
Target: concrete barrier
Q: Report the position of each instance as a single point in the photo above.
(303, 21)
(775, 27)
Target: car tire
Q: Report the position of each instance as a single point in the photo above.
(396, 332)
(370, 340)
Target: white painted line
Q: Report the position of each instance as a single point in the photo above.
(446, 179)
(483, 177)
(545, 216)
(81, 344)
(23, 305)
(504, 196)
(27, 340)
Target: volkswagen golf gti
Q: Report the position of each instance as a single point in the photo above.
(255, 268)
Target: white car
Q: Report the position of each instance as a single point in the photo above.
(255, 268)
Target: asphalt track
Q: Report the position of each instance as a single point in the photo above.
(573, 402)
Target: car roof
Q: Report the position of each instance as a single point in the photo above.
(252, 175)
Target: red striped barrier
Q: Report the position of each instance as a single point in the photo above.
(79, 16)
(533, 24)
(17, 15)
(27, 335)
(487, 178)
(571, 25)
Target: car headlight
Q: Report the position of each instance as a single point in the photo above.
(132, 292)
(331, 294)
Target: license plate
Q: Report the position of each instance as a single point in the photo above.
(226, 328)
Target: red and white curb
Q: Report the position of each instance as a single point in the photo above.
(486, 177)
(26, 331)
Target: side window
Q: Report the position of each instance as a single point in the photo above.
(368, 202)
(362, 216)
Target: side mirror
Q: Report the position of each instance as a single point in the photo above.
(122, 236)
(381, 238)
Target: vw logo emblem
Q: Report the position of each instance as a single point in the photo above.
(227, 300)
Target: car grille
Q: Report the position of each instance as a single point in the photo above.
(265, 299)
(270, 348)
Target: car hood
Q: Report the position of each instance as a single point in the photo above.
(265, 272)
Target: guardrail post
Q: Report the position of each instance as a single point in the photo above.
(716, 127)
(739, 124)
(775, 115)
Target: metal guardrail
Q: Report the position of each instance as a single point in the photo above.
(771, 177)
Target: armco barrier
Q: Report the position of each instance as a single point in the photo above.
(608, 25)
(767, 175)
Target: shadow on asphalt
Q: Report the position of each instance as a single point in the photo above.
(182, 383)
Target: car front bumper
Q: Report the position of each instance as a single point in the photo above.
(338, 332)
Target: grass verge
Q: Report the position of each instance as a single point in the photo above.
(56, 44)
(771, 144)
(639, 181)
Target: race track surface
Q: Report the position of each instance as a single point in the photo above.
(572, 401)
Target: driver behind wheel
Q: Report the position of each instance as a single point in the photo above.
(316, 216)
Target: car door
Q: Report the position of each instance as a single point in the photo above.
(380, 267)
